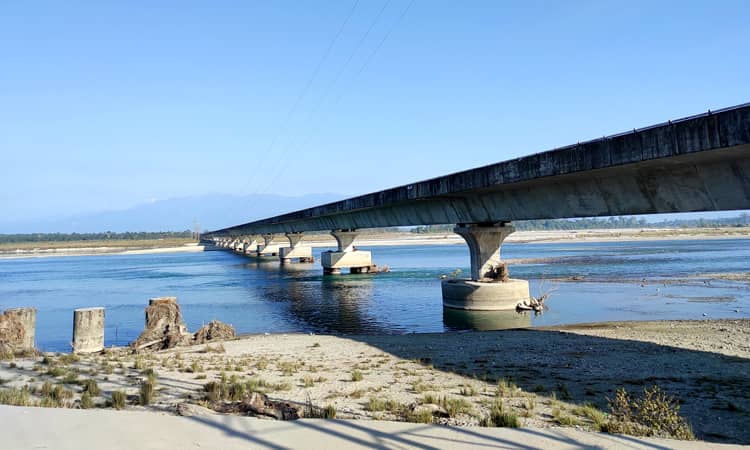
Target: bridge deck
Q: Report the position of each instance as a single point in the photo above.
(699, 163)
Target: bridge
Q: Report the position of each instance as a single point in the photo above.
(699, 163)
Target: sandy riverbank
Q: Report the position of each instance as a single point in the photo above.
(545, 373)
(395, 239)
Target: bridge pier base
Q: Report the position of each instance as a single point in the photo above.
(251, 247)
(302, 253)
(490, 288)
(346, 256)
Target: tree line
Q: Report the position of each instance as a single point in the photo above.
(103, 236)
(742, 220)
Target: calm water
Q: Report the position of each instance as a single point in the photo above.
(265, 297)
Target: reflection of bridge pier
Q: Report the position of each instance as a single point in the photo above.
(461, 319)
(700, 163)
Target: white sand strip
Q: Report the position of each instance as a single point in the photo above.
(33, 428)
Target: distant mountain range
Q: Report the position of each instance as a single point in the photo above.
(208, 211)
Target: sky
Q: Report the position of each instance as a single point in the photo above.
(106, 105)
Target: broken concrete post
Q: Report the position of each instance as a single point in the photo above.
(27, 317)
(88, 330)
(164, 325)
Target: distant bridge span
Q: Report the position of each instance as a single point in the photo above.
(700, 163)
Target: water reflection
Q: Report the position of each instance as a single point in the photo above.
(459, 319)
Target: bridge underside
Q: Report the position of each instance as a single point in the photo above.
(707, 181)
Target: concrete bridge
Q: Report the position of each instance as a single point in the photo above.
(699, 163)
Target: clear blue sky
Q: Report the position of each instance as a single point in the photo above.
(105, 104)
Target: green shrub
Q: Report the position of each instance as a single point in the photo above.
(653, 414)
(377, 404)
(419, 416)
(16, 397)
(357, 375)
(499, 417)
(90, 387)
(86, 401)
(119, 399)
(147, 392)
(55, 371)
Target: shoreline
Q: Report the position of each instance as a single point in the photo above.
(524, 237)
(543, 375)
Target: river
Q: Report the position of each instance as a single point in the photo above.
(641, 280)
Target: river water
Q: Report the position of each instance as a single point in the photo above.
(620, 281)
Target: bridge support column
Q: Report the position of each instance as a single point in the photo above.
(346, 256)
(303, 253)
(250, 247)
(267, 248)
(489, 288)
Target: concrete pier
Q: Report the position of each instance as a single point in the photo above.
(490, 288)
(27, 318)
(268, 247)
(302, 253)
(346, 256)
(251, 249)
(88, 330)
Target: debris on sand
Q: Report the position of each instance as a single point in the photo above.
(259, 405)
(214, 330)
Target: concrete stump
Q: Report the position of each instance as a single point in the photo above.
(27, 317)
(88, 330)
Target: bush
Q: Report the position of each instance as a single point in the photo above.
(118, 399)
(376, 404)
(16, 397)
(90, 387)
(147, 392)
(86, 401)
(500, 418)
(653, 414)
(357, 375)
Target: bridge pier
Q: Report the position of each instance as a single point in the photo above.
(267, 248)
(250, 246)
(489, 287)
(346, 256)
(303, 253)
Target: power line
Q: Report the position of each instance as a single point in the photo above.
(306, 88)
(280, 168)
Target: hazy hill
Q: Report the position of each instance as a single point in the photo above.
(209, 211)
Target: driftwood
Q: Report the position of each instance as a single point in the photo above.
(534, 304)
(257, 404)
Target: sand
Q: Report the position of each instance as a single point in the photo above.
(63, 429)
(540, 374)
